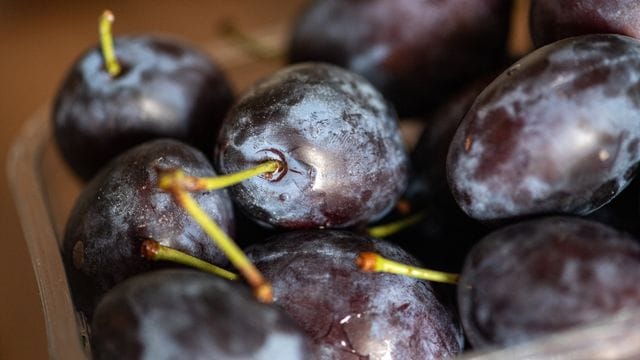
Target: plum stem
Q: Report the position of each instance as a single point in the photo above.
(153, 250)
(384, 230)
(262, 288)
(193, 183)
(106, 43)
(373, 262)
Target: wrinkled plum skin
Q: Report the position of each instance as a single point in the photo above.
(122, 206)
(351, 314)
(345, 161)
(552, 20)
(185, 314)
(558, 132)
(415, 51)
(167, 89)
(542, 276)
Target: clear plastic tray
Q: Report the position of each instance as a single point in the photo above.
(44, 192)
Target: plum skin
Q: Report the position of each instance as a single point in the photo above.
(344, 161)
(188, 314)
(122, 206)
(350, 314)
(558, 132)
(552, 20)
(415, 52)
(167, 88)
(542, 276)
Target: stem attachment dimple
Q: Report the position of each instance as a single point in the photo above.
(153, 250)
(373, 262)
(106, 43)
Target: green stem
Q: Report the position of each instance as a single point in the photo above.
(384, 230)
(372, 262)
(262, 288)
(155, 251)
(106, 43)
(193, 183)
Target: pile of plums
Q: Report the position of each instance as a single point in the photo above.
(524, 176)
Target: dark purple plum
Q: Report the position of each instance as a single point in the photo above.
(542, 276)
(344, 163)
(351, 314)
(415, 51)
(552, 20)
(122, 206)
(167, 88)
(185, 314)
(429, 157)
(558, 132)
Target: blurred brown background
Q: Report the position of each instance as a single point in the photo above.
(39, 40)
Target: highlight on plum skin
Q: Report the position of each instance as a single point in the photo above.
(555, 133)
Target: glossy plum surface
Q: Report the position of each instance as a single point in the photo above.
(552, 20)
(122, 206)
(542, 276)
(167, 88)
(558, 132)
(344, 161)
(415, 51)
(351, 314)
(185, 314)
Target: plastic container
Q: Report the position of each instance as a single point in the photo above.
(45, 191)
